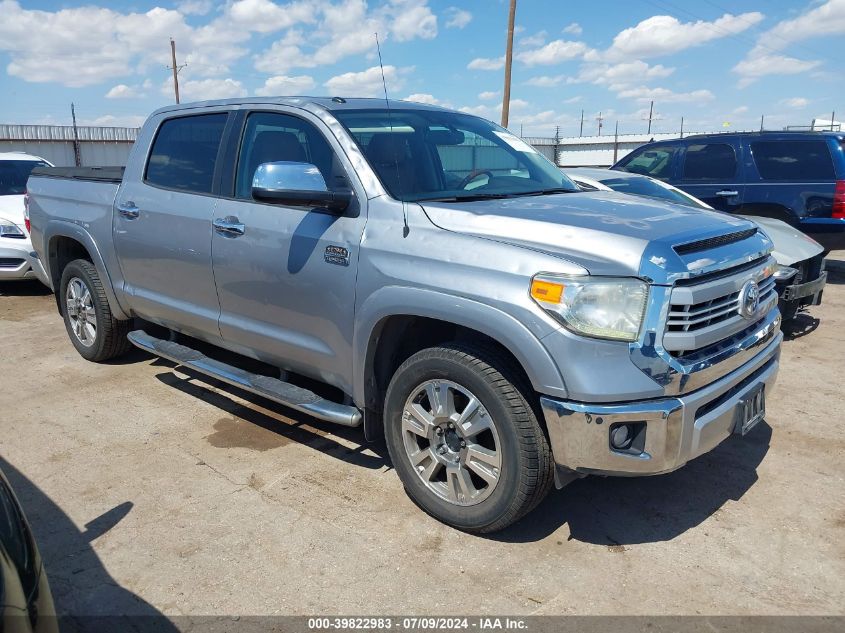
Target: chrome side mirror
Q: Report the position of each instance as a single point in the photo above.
(298, 185)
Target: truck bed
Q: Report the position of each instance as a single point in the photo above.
(97, 174)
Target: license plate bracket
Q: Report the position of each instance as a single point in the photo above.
(750, 410)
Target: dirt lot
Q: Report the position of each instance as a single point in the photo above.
(150, 491)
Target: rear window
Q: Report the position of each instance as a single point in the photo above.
(709, 161)
(184, 152)
(13, 175)
(793, 160)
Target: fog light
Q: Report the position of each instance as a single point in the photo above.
(621, 437)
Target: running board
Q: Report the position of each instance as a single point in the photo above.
(271, 388)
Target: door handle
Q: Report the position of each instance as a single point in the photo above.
(727, 193)
(128, 210)
(229, 226)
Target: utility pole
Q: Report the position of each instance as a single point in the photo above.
(581, 131)
(175, 68)
(600, 118)
(832, 119)
(557, 143)
(650, 113)
(77, 155)
(616, 142)
(682, 127)
(506, 98)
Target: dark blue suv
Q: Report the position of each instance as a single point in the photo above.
(797, 177)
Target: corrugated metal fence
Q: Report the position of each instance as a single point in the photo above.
(97, 146)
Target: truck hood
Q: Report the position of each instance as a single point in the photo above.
(790, 245)
(11, 208)
(605, 232)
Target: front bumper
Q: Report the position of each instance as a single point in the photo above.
(14, 259)
(677, 429)
(813, 289)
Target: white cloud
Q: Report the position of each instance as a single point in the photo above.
(122, 91)
(485, 111)
(766, 59)
(195, 7)
(457, 18)
(753, 68)
(644, 94)
(552, 53)
(412, 19)
(533, 41)
(487, 95)
(573, 29)
(109, 120)
(665, 34)
(284, 85)
(575, 99)
(795, 102)
(740, 110)
(623, 74)
(545, 81)
(420, 97)
(264, 16)
(205, 89)
(483, 63)
(367, 83)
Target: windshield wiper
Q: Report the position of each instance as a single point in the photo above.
(471, 198)
(546, 192)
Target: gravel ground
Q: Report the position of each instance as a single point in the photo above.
(151, 491)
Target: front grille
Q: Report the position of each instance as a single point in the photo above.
(714, 242)
(689, 318)
(10, 262)
(702, 315)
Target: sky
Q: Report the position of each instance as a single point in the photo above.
(718, 64)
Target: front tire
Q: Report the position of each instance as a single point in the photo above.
(94, 331)
(464, 440)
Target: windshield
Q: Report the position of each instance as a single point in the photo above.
(13, 175)
(436, 155)
(652, 189)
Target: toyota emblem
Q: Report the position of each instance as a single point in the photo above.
(749, 299)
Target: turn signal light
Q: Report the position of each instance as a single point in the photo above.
(546, 291)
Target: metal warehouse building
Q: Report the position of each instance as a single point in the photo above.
(66, 146)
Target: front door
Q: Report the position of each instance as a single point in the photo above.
(162, 227)
(286, 275)
(710, 172)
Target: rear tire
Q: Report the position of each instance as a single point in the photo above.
(476, 468)
(94, 331)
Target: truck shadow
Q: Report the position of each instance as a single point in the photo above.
(86, 596)
(801, 325)
(27, 288)
(616, 511)
(287, 424)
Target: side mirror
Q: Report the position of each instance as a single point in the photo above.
(297, 185)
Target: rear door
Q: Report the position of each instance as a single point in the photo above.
(795, 175)
(162, 226)
(710, 171)
(286, 277)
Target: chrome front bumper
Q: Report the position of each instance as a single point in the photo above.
(677, 429)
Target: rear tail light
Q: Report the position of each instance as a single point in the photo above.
(26, 221)
(839, 200)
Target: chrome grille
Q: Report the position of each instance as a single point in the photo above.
(704, 314)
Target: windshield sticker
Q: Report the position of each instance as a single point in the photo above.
(516, 143)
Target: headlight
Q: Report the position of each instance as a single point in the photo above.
(10, 229)
(602, 307)
(784, 273)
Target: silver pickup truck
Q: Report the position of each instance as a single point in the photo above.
(428, 275)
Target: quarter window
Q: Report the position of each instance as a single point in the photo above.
(185, 151)
(653, 161)
(710, 161)
(793, 160)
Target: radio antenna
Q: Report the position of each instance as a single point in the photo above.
(394, 148)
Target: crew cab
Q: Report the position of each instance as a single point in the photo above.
(427, 275)
(796, 177)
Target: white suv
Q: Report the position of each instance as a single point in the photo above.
(16, 256)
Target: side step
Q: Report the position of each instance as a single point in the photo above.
(271, 388)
